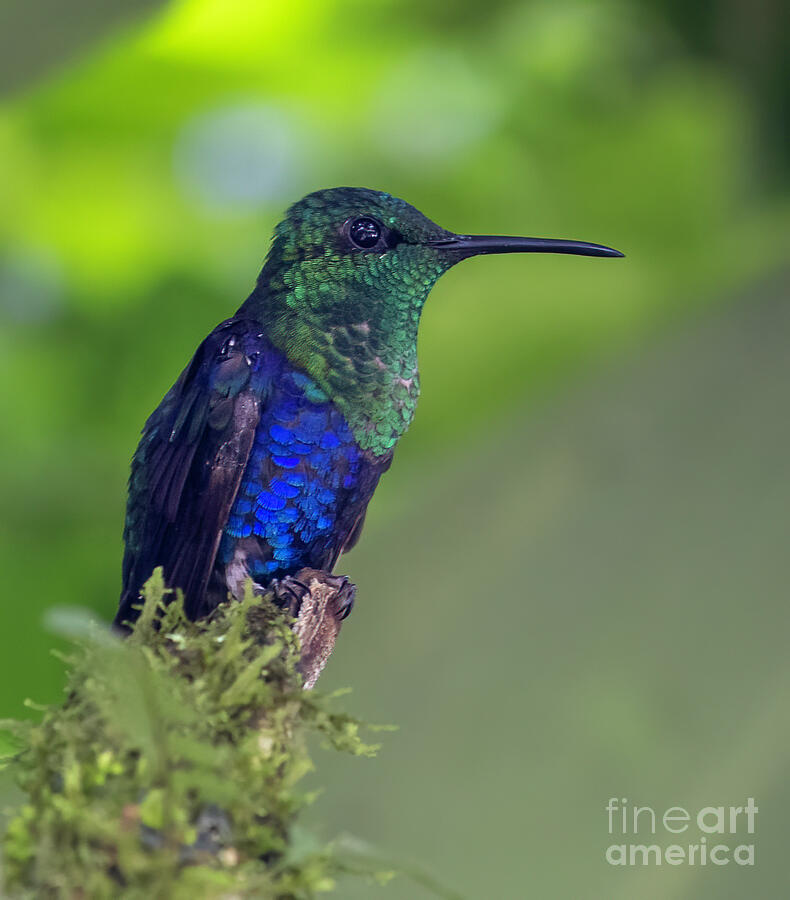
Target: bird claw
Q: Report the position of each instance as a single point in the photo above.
(346, 592)
(289, 593)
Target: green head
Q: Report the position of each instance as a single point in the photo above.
(342, 291)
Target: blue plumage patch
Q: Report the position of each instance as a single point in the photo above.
(283, 489)
(280, 434)
(285, 462)
(303, 467)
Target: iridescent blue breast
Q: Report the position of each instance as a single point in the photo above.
(296, 502)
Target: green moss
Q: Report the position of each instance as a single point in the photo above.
(172, 768)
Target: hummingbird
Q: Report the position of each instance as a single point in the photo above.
(262, 458)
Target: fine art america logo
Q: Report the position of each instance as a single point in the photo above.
(712, 835)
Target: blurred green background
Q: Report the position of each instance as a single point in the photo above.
(572, 584)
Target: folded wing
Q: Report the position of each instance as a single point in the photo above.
(188, 466)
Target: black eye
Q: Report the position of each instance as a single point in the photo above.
(364, 232)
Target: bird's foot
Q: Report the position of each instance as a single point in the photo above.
(289, 592)
(344, 597)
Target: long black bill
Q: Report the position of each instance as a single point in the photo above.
(476, 244)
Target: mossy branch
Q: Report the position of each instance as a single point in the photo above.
(171, 770)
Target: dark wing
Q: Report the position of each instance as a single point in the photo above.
(187, 468)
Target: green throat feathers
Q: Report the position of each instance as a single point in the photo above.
(348, 315)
